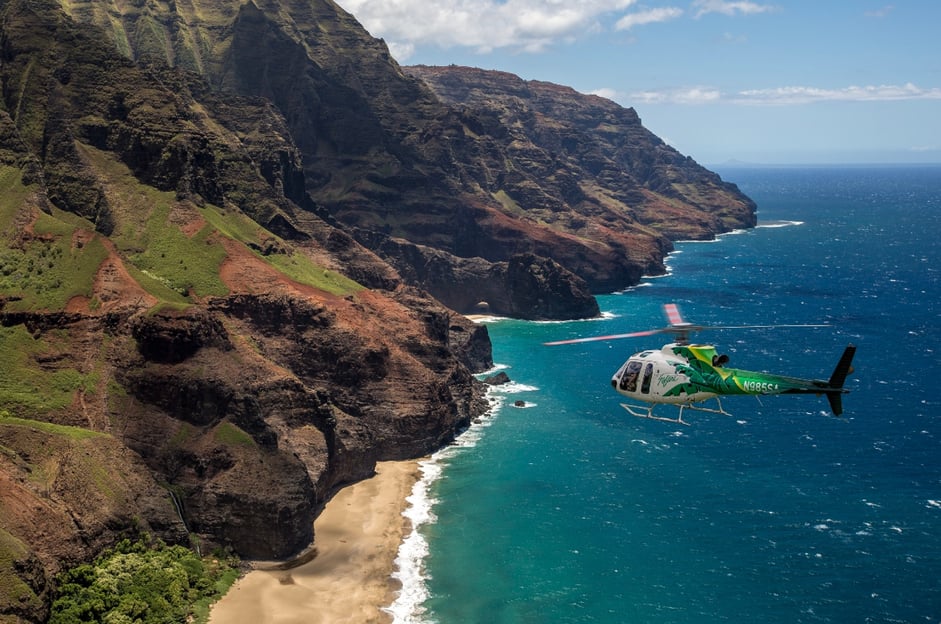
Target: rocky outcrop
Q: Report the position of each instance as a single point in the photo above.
(526, 286)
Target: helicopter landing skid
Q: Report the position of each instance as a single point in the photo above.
(647, 412)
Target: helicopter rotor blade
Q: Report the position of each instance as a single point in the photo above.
(758, 326)
(677, 326)
(649, 332)
(673, 314)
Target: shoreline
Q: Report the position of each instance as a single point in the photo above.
(349, 580)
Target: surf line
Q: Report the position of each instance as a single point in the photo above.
(408, 606)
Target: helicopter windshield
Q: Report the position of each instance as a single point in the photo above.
(628, 381)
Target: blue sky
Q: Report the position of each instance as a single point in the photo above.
(791, 81)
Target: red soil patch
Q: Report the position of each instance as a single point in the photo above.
(114, 287)
(244, 272)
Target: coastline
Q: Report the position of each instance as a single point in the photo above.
(356, 537)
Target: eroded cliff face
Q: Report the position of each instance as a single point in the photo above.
(587, 168)
(225, 424)
(190, 346)
(219, 228)
(471, 164)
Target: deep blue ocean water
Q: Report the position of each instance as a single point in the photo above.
(571, 510)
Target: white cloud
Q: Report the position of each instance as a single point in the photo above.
(807, 95)
(605, 92)
(521, 25)
(484, 25)
(650, 16)
(729, 7)
(778, 96)
(401, 50)
(688, 95)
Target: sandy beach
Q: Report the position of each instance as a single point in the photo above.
(356, 537)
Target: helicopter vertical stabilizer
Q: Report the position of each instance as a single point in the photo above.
(835, 390)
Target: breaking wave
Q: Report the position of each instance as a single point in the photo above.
(408, 606)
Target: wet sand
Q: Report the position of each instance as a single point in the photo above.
(357, 538)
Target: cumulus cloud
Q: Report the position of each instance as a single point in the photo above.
(520, 25)
(484, 25)
(650, 16)
(782, 96)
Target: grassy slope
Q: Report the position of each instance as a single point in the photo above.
(47, 269)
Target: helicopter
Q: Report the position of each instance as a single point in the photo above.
(686, 375)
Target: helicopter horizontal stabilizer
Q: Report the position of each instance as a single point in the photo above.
(836, 403)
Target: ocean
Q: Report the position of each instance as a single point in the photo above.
(571, 510)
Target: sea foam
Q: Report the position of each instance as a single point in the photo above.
(408, 606)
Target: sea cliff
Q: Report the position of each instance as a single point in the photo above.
(237, 240)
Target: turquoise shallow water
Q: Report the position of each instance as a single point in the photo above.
(570, 510)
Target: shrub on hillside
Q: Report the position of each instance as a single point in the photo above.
(141, 583)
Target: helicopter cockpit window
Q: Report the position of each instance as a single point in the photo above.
(629, 378)
(648, 374)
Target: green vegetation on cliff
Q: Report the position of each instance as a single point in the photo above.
(42, 267)
(13, 589)
(142, 583)
(26, 388)
(67, 431)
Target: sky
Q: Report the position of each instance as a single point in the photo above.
(752, 81)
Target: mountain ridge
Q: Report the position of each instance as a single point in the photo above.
(235, 242)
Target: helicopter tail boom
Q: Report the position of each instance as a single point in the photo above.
(832, 388)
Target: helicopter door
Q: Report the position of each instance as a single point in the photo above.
(648, 374)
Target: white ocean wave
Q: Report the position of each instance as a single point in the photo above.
(513, 387)
(778, 223)
(636, 286)
(408, 606)
(604, 316)
(496, 369)
(707, 241)
(482, 319)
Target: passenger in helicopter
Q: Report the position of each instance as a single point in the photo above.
(720, 360)
(629, 379)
